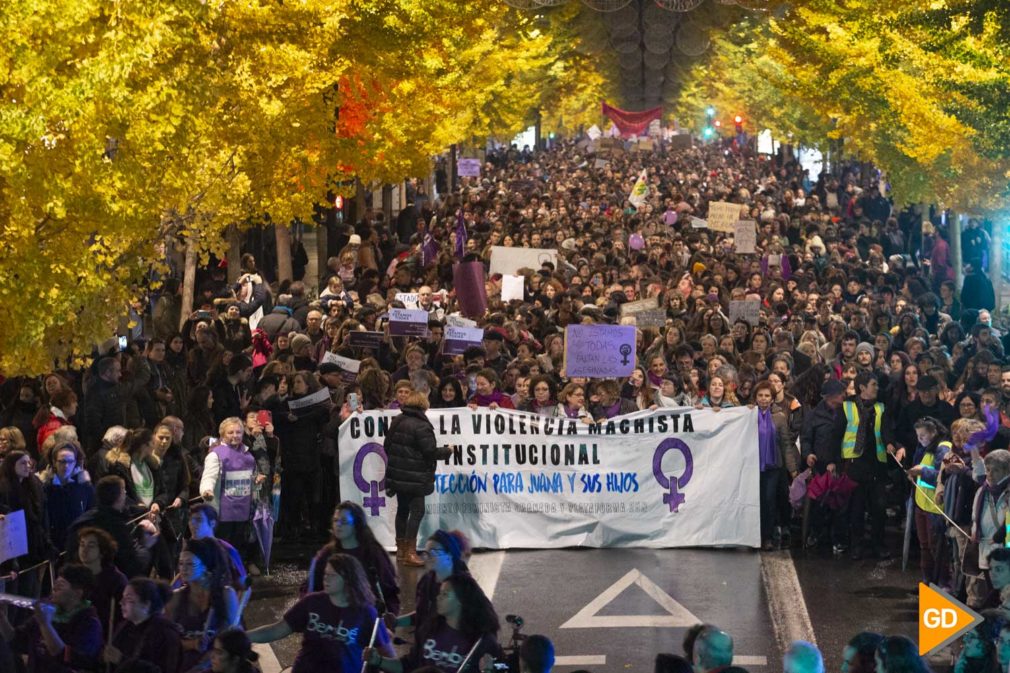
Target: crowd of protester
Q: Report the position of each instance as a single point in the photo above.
(880, 389)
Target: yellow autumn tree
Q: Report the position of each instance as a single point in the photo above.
(121, 123)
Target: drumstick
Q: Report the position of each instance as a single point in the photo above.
(371, 641)
(469, 655)
(112, 618)
(915, 482)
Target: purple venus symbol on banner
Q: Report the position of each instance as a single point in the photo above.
(674, 483)
(625, 351)
(373, 501)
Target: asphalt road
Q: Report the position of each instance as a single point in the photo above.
(613, 609)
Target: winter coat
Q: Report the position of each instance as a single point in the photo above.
(278, 321)
(411, 452)
(103, 408)
(300, 440)
(819, 437)
(119, 465)
(65, 502)
(131, 557)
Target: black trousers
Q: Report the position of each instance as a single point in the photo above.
(409, 512)
(867, 497)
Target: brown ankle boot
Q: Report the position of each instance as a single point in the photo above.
(400, 550)
(410, 557)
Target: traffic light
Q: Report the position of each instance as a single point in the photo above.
(718, 124)
(710, 111)
(338, 202)
(738, 121)
(708, 132)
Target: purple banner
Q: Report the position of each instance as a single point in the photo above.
(468, 279)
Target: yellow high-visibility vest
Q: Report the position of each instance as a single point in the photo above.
(924, 494)
(852, 428)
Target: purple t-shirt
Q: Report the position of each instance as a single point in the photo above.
(332, 638)
(445, 648)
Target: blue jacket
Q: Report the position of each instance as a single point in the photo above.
(65, 502)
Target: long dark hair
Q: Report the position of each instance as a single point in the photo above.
(236, 643)
(478, 617)
(356, 589)
(213, 558)
(17, 493)
(899, 654)
(363, 533)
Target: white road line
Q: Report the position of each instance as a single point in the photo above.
(268, 660)
(486, 568)
(589, 660)
(788, 610)
(588, 617)
(744, 660)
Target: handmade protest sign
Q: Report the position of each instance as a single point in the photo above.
(468, 168)
(459, 321)
(510, 260)
(745, 236)
(458, 339)
(747, 309)
(13, 536)
(409, 299)
(408, 322)
(599, 351)
(722, 215)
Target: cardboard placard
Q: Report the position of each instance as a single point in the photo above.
(747, 309)
(513, 287)
(745, 237)
(723, 215)
(409, 299)
(510, 260)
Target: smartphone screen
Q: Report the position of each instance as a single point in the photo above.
(122, 344)
(264, 417)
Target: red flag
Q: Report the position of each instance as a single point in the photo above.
(631, 123)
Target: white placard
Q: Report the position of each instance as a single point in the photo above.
(456, 320)
(698, 223)
(409, 299)
(13, 535)
(745, 237)
(748, 309)
(594, 132)
(510, 260)
(320, 396)
(255, 318)
(648, 479)
(346, 364)
(512, 287)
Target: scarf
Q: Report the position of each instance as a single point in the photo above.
(486, 400)
(655, 380)
(766, 440)
(570, 412)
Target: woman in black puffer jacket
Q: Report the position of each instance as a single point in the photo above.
(411, 452)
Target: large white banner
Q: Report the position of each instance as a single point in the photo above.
(509, 260)
(665, 478)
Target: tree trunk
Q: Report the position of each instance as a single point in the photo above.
(283, 235)
(996, 263)
(453, 169)
(234, 256)
(387, 204)
(954, 232)
(188, 280)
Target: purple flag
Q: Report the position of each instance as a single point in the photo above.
(468, 281)
(429, 250)
(460, 235)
